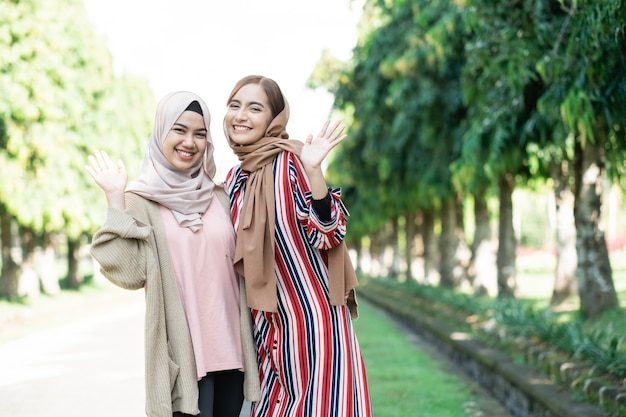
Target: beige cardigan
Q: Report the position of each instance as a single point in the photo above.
(133, 253)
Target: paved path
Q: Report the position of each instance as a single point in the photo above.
(92, 367)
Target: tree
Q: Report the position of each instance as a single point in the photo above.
(62, 88)
(586, 81)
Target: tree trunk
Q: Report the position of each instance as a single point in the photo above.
(594, 274)
(463, 254)
(565, 274)
(357, 245)
(377, 253)
(507, 271)
(410, 232)
(73, 279)
(49, 275)
(483, 270)
(9, 281)
(28, 279)
(447, 244)
(394, 245)
(431, 275)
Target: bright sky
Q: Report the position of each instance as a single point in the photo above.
(206, 46)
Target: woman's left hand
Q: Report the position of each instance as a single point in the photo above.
(316, 149)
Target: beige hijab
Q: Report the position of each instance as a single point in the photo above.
(254, 253)
(187, 194)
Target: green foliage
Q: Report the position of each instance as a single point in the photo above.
(501, 86)
(585, 75)
(404, 105)
(63, 97)
(443, 96)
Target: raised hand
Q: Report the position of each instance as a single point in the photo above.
(316, 149)
(110, 177)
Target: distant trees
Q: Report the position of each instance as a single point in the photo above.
(60, 101)
(458, 103)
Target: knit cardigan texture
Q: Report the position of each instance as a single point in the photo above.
(132, 251)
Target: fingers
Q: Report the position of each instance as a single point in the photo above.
(100, 161)
(337, 135)
(104, 160)
(333, 131)
(120, 166)
(324, 128)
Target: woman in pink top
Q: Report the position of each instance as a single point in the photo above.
(169, 232)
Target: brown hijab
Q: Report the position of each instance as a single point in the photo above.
(254, 252)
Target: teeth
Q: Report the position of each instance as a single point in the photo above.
(240, 128)
(185, 153)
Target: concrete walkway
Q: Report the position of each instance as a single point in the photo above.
(92, 367)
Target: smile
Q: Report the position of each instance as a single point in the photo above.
(184, 153)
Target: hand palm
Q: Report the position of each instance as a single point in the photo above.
(110, 177)
(316, 149)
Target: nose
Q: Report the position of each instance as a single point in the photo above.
(240, 114)
(188, 139)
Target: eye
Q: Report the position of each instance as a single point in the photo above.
(233, 106)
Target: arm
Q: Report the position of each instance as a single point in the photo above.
(121, 248)
(323, 230)
(110, 177)
(120, 244)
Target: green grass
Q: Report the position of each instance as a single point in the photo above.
(407, 380)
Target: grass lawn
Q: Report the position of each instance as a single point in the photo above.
(409, 378)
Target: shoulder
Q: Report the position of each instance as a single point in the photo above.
(287, 161)
(140, 207)
(222, 196)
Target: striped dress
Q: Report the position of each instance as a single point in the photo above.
(309, 358)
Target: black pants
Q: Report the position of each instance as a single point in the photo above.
(221, 395)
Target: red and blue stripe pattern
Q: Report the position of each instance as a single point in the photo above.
(309, 356)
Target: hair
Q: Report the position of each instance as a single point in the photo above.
(195, 107)
(271, 88)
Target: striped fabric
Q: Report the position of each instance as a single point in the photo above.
(309, 357)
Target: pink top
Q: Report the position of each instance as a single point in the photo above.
(208, 287)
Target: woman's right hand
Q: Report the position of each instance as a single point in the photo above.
(110, 177)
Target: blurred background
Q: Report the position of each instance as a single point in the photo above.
(486, 139)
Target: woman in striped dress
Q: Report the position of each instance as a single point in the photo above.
(290, 250)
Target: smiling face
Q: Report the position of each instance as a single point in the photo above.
(186, 141)
(248, 115)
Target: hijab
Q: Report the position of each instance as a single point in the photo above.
(254, 251)
(186, 193)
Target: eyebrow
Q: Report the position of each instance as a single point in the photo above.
(252, 103)
(187, 127)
